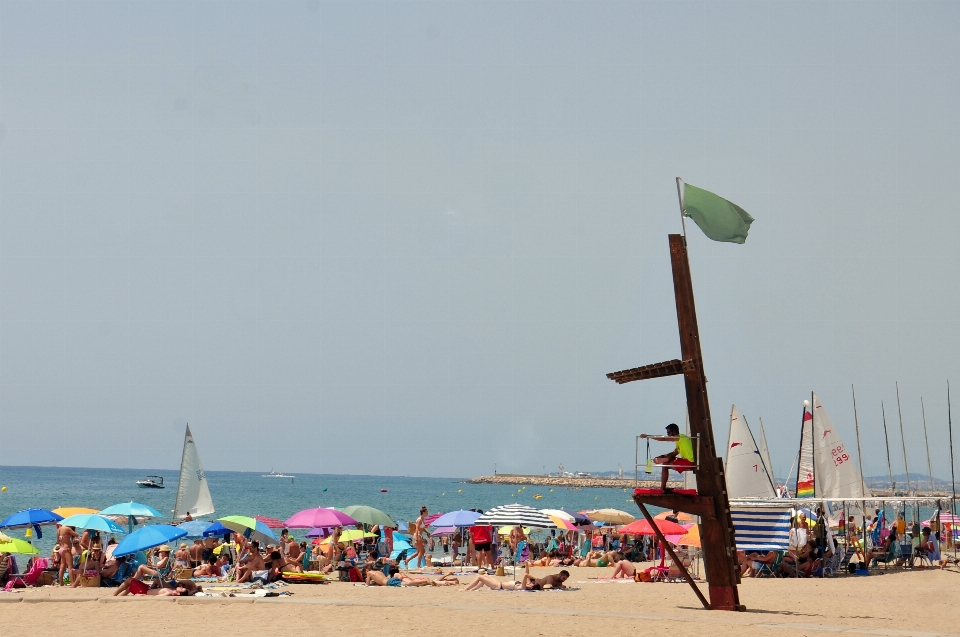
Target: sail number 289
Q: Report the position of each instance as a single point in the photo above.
(839, 455)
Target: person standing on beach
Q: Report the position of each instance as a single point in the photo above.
(65, 538)
(419, 529)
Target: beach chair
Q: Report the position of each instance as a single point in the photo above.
(890, 557)
(905, 557)
(772, 569)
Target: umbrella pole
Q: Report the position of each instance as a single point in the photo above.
(673, 556)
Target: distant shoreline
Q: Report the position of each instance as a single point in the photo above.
(593, 482)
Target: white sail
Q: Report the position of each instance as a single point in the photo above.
(193, 494)
(746, 474)
(765, 454)
(805, 478)
(836, 474)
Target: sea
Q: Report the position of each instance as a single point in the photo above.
(246, 493)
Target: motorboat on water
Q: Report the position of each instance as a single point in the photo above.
(273, 474)
(151, 482)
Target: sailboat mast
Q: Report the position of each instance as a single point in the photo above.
(856, 424)
(953, 480)
(813, 448)
(183, 456)
(763, 462)
(926, 441)
(903, 441)
(886, 439)
(766, 451)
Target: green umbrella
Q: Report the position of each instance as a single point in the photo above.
(21, 547)
(250, 528)
(369, 515)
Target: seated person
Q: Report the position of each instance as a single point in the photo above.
(91, 563)
(159, 564)
(279, 565)
(252, 565)
(680, 459)
(755, 562)
(208, 568)
(888, 545)
(173, 588)
(809, 559)
(625, 569)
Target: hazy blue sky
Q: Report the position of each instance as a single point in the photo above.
(412, 237)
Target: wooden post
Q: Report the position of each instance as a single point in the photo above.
(719, 550)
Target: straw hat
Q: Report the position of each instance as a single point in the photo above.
(183, 545)
(163, 548)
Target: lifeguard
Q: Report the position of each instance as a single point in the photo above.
(680, 459)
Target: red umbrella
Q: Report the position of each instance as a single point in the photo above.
(273, 523)
(642, 527)
(427, 521)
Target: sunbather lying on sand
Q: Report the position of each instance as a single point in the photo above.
(377, 578)
(173, 588)
(529, 583)
(596, 558)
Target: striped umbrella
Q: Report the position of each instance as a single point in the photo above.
(515, 515)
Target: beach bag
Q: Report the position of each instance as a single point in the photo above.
(355, 575)
(90, 581)
(45, 578)
(183, 573)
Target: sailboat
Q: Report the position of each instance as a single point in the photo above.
(746, 470)
(826, 469)
(193, 493)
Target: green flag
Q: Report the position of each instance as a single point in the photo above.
(721, 220)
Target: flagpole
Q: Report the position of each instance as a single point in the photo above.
(683, 221)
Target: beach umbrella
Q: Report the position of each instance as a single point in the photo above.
(195, 528)
(93, 522)
(350, 535)
(272, 523)
(561, 523)
(515, 515)
(642, 527)
(507, 530)
(20, 547)
(317, 532)
(559, 513)
(31, 518)
(579, 519)
(250, 528)
(132, 510)
(459, 518)
(320, 517)
(682, 517)
(368, 515)
(429, 520)
(66, 512)
(610, 516)
(443, 530)
(690, 538)
(216, 530)
(147, 538)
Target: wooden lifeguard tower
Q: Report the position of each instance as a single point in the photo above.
(709, 501)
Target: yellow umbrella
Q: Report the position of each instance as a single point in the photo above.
(18, 546)
(350, 535)
(505, 530)
(66, 512)
(217, 550)
(610, 516)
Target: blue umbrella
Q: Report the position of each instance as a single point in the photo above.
(579, 519)
(459, 518)
(216, 530)
(195, 528)
(92, 521)
(132, 510)
(147, 538)
(31, 517)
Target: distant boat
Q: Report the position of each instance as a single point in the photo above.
(383, 490)
(151, 482)
(272, 474)
(193, 493)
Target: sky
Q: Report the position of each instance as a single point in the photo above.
(411, 238)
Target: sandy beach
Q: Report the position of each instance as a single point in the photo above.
(896, 603)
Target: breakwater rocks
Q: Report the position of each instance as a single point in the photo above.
(569, 482)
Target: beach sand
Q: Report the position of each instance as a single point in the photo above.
(918, 602)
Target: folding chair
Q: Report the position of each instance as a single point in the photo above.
(772, 569)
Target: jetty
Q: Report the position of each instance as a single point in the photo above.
(569, 482)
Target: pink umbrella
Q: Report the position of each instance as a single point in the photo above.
(319, 517)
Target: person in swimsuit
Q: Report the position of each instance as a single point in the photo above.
(174, 588)
(555, 581)
(91, 565)
(195, 553)
(251, 565)
(65, 538)
(624, 569)
(158, 565)
(419, 530)
(181, 559)
(680, 459)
